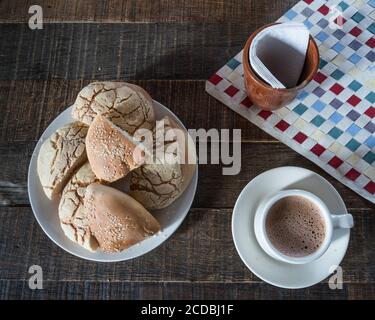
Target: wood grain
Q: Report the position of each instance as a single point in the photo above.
(199, 258)
(169, 47)
(28, 106)
(119, 51)
(96, 290)
(214, 189)
(238, 11)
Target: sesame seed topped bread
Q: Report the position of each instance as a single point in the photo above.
(158, 183)
(112, 152)
(72, 214)
(116, 219)
(127, 105)
(60, 155)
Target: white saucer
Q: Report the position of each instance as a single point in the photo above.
(46, 211)
(275, 272)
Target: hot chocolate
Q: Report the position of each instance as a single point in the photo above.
(295, 226)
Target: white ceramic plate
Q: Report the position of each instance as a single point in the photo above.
(46, 211)
(275, 272)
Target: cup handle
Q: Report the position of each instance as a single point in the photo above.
(342, 221)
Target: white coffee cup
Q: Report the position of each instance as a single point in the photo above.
(331, 221)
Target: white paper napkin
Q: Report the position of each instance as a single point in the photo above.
(277, 53)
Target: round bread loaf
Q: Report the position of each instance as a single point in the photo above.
(161, 181)
(60, 155)
(116, 219)
(73, 218)
(112, 152)
(127, 105)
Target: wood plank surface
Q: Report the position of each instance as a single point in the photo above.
(238, 11)
(170, 48)
(97, 290)
(119, 51)
(214, 189)
(201, 250)
(28, 106)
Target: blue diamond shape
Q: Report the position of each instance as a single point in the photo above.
(355, 45)
(322, 36)
(371, 57)
(339, 34)
(335, 132)
(300, 109)
(322, 63)
(357, 17)
(371, 97)
(355, 58)
(318, 105)
(302, 95)
(369, 157)
(370, 142)
(337, 74)
(338, 47)
(336, 117)
(308, 24)
(318, 121)
(307, 12)
(343, 5)
(353, 145)
(353, 129)
(233, 63)
(355, 85)
(323, 23)
(290, 14)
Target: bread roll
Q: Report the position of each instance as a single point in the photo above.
(112, 152)
(60, 155)
(116, 219)
(73, 218)
(128, 106)
(159, 183)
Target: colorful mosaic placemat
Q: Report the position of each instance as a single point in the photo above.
(331, 122)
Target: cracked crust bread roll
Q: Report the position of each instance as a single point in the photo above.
(127, 105)
(60, 155)
(112, 152)
(158, 183)
(72, 214)
(116, 219)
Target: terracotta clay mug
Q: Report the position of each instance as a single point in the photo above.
(261, 93)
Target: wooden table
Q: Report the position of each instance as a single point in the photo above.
(170, 48)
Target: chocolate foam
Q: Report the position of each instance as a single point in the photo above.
(295, 226)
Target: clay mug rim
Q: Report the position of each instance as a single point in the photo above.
(248, 69)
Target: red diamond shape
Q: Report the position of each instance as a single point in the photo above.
(300, 137)
(354, 100)
(308, 1)
(318, 149)
(371, 42)
(336, 88)
(247, 102)
(370, 112)
(264, 114)
(355, 31)
(370, 187)
(323, 10)
(340, 21)
(282, 125)
(352, 174)
(215, 79)
(319, 77)
(231, 91)
(335, 162)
